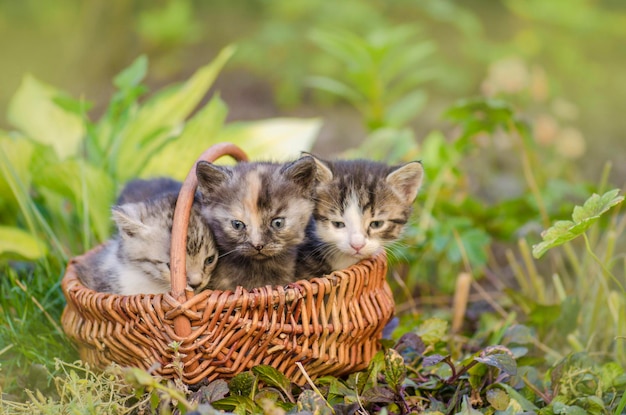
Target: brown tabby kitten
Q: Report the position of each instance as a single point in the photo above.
(136, 260)
(361, 207)
(258, 212)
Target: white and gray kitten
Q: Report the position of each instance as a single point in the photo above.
(136, 260)
(259, 212)
(361, 207)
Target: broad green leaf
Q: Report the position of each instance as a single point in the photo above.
(177, 157)
(525, 404)
(272, 377)
(395, 371)
(88, 187)
(159, 118)
(502, 361)
(277, 139)
(583, 217)
(33, 111)
(432, 330)
(17, 241)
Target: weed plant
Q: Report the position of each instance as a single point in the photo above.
(552, 342)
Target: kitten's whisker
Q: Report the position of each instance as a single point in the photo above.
(227, 253)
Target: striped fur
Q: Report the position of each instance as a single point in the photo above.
(361, 207)
(136, 260)
(258, 212)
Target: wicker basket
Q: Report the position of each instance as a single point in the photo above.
(331, 324)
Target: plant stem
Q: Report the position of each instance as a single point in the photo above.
(605, 270)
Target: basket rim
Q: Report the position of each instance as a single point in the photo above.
(291, 291)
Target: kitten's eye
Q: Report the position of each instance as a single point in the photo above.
(209, 260)
(238, 225)
(168, 265)
(278, 223)
(338, 225)
(376, 224)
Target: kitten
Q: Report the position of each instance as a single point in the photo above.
(360, 207)
(139, 190)
(258, 212)
(136, 261)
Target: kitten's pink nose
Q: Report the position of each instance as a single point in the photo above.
(357, 246)
(357, 241)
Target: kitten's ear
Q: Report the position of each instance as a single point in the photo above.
(406, 180)
(301, 171)
(128, 220)
(210, 176)
(323, 174)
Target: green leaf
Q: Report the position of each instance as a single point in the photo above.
(395, 371)
(236, 403)
(375, 367)
(89, 188)
(312, 402)
(277, 139)
(158, 119)
(525, 404)
(502, 361)
(242, 384)
(272, 377)
(17, 241)
(133, 75)
(498, 398)
(432, 330)
(177, 157)
(33, 111)
(379, 394)
(583, 217)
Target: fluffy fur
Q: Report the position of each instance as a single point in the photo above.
(139, 190)
(360, 207)
(258, 212)
(136, 260)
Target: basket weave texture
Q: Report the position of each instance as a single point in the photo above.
(331, 325)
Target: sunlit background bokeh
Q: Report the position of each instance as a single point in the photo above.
(560, 62)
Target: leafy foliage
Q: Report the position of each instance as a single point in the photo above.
(582, 218)
(539, 336)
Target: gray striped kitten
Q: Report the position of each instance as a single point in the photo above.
(361, 207)
(258, 212)
(136, 260)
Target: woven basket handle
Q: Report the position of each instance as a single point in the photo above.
(178, 251)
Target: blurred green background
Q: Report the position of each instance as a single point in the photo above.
(560, 61)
